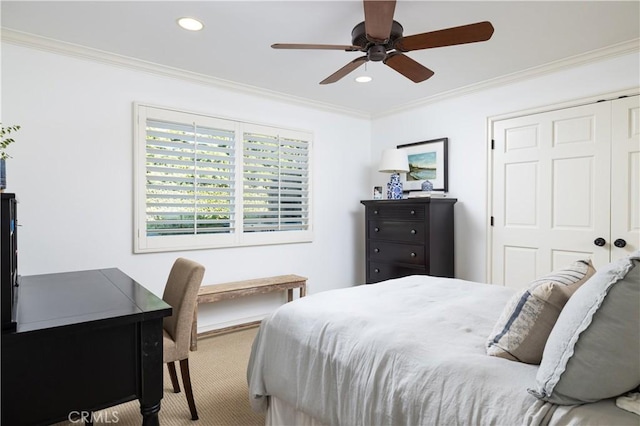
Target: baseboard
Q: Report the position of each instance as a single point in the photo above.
(230, 329)
(229, 326)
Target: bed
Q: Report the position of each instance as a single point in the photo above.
(408, 351)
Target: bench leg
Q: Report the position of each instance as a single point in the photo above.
(303, 292)
(194, 330)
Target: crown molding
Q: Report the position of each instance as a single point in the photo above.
(78, 51)
(620, 49)
(20, 38)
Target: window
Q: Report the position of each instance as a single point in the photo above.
(204, 182)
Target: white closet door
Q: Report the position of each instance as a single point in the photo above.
(550, 171)
(625, 179)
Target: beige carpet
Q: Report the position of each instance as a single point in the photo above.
(218, 375)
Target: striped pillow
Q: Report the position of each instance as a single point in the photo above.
(528, 318)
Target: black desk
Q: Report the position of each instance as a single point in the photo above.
(84, 341)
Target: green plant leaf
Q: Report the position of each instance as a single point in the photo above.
(6, 141)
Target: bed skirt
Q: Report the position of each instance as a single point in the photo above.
(280, 413)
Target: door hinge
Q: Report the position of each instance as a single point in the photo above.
(491, 220)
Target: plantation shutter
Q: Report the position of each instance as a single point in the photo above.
(190, 175)
(276, 182)
(205, 182)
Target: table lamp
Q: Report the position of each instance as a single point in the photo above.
(394, 161)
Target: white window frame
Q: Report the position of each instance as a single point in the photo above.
(237, 238)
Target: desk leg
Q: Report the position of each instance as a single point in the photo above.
(151, 379)
(150, 415)
(303, 290)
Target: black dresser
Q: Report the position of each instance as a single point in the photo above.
(409, 237)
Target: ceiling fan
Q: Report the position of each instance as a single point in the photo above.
(380, 37)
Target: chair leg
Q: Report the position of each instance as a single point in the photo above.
(186, 381)
(174, 376)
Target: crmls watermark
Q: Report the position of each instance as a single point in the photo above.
(88, 416)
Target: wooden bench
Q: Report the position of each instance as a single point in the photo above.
(226, 291)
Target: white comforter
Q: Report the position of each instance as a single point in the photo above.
(408, 351)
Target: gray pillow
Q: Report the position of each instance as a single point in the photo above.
(593, 351)
(528, 318)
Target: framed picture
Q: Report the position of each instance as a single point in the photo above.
(377, 193)
(427, 161)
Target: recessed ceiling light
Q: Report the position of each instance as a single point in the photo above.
(190, 24)
(363, 79)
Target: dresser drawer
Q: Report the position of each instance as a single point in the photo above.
(396, 253)
(384, 271)
(397, 211)
(389, 230)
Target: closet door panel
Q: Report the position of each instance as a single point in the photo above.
(550, 172)
(561, 258)
(520, 266)
(625, 181)
(520, 182)
(573, 193)
(580, 154)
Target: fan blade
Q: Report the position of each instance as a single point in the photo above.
(408, 67)
(315, 46)
(480, 31)
(378, 18)
(344, 70)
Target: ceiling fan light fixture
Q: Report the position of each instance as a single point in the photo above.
(190, 24)
(363, 79)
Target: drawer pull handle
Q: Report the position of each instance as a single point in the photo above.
(375, 212)
(377, 271)
(376, 250)
(413, 212)
(413, 255)
(413, 231)
(377, 229)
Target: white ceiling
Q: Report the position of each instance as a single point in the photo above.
(235, 43)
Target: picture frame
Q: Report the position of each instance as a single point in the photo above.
(377, 193)
(427, 161)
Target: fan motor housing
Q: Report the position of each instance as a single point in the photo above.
(359, 37)
(377, 53)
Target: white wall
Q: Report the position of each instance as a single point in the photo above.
(72, 172)
(72, 168)
(464, 121)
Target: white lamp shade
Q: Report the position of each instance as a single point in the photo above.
(394, 161)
